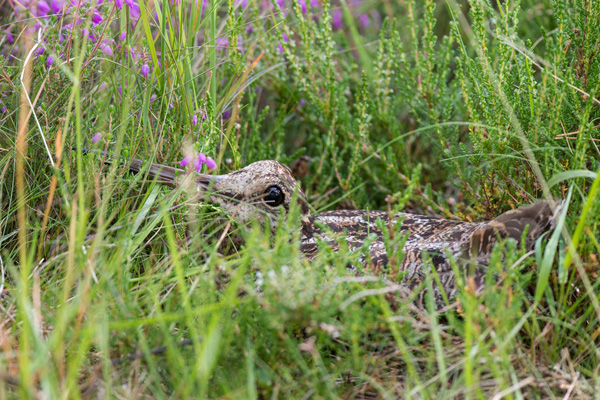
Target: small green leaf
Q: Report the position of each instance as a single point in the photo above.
(563, 176)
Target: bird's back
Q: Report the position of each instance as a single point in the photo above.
(436, 239)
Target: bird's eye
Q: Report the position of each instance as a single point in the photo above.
(273, 196)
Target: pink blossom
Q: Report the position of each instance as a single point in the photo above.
(145, 70)
(186, 160)
(364, 20)
(49, 61)
(302, 4)
(97, 137)
(130, 53)
(210, 163)
(198, 164)
(202, 159)
(195, 120)
(336, 19)
(57, 6)
(106, 50)
(222, 42)
(119, 4)
(96, 18)
(43, 8)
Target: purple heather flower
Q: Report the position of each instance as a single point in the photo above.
(106, 50)
(153, 97)
(302, 4)
(210, 163)
(145, 70)
(42, 9)
(336, 19)
(39, 51)
(280, 47)
(119, 4)
(195, 120)
(123, 36)
(57, 6)
(9, 37)
(186, 160)
(2, 110)
(249, 29)
(130, 3)
(226, 114)
(222, 42)
(364, 20)
(243, 3)
(301, 103)
(314, 3)
(199, 161)
(96, 18)
(97, 137)
(130, 53)
(203, 159)
(49, 61)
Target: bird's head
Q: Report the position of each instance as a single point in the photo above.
(257, 192)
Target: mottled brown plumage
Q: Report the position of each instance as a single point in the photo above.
(249, 194)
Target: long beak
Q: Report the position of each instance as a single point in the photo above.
(171, 176)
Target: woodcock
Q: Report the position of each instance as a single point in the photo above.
(260, 190)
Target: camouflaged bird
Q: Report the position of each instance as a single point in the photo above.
(260, 190)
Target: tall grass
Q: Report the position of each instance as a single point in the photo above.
(116, 287)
